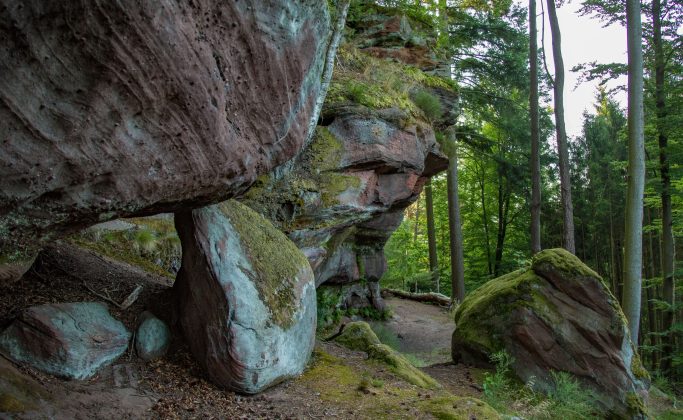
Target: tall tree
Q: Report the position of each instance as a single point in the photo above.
(535, 134)
(431, 235)
(668, 248)
(455, 229)
(633, 244)
(562, 148)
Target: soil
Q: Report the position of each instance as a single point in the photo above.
(174, 387)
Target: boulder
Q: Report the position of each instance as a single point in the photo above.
(70, 340)
(246, 296)
(152, 338)
(557, 315)
(129, 108)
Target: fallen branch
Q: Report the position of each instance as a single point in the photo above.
(132, 297)
(431, 297)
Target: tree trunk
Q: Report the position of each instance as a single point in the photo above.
(457, 259)
(633, 238)
(668, 247)
(485, 220)
(651, 314)
(431, 234)
(503, 208)
(535, 141)
(562, 149)
(416, 224)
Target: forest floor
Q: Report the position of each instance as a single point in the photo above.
(339, 383)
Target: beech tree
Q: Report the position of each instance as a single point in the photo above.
(535, 135)
(633, 249)
(562, 148)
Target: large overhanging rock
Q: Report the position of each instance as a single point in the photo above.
(246, 297)
(558, 315)
(120, 108)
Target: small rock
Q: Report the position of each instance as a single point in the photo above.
(152, 338)
(71, 340)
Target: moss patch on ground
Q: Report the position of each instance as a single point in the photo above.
(364, 389)
(359, 336)
(457, 408)
(276, 260)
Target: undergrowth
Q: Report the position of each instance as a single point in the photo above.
(567, 400)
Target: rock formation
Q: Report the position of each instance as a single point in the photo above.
(71, 340)
(557, 315)
(152, 338)
(246, 297)
(132, 108)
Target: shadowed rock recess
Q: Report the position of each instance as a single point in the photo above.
(111, 109)
(557, 315)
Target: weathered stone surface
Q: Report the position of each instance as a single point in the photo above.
(70, 340)
(558, 315)
(152, 337)
(246, 297)
(347, 194)
(131, 108)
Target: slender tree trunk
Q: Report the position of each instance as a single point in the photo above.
(562, 148)
(431, 234)
(633, 255)
(651, 314)
(416, 225)
(535, 136)
(668, 247)
(485, 220)
(457, 259)
(503, 207)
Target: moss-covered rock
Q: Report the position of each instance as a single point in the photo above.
(557, 315)
(246, 297)
(359, 336)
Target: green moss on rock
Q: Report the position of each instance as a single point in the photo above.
(401, 367)
(638, 369)
(358, 336)
(636, 405)
(275, 259)
(563, 261)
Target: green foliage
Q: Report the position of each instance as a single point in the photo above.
(566, 400)
(429, 104)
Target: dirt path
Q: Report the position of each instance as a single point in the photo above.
(174, 387)
(422, 330)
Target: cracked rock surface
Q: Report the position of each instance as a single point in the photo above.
(70, 340)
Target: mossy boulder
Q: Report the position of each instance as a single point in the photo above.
(246, 297)
(557, 315)
(359, 336)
